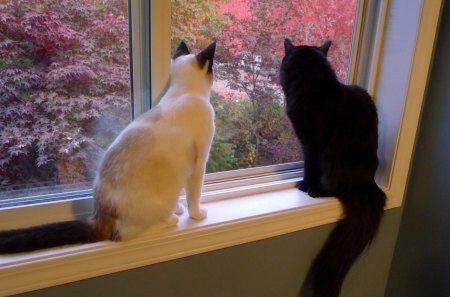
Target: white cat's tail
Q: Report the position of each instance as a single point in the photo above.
(51, 235)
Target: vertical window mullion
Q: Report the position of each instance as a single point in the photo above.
(140, 55)
(160, 47)
(358, 36)
(367, 42)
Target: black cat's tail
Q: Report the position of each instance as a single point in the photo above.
(363, 209)
(50, 235)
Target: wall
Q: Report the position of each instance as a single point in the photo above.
(421, 265)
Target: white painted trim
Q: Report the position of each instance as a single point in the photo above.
(140, 59)
(160, 52)
(230, 222)
(418, 79)
(357, 40)
(413, 101)
(375, 62)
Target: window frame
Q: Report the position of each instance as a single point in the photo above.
(264, 208)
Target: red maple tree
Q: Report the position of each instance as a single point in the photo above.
(248, 58)
(64, 79)
(64, 69)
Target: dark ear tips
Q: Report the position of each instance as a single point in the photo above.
(207, 55)
(181, 50)
(287, 45)
(325, 47)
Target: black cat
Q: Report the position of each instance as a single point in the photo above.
(337, 127)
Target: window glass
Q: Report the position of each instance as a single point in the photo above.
(64, 91)
(251, 127)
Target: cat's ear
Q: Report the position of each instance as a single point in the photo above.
(207, 55)
(325, 47)
(181, 50)
(287, 45)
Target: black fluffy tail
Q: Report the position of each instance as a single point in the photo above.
(363, 208)
(50, 235)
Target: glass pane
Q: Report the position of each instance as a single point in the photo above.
(251, 128)
(64, 91)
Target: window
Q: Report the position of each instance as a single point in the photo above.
(74, 92)
(251, 127)
(65, 93)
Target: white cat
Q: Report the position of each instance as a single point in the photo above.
(143, 171)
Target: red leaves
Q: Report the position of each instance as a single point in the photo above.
(258, 24)
(63, 66)
(46, 30)
(251, 38)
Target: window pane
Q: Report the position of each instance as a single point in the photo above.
(64, 91)
(251, 128)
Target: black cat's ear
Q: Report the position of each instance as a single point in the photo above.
(287, 45)
(207, 55)
(325, 47)
(181, 50)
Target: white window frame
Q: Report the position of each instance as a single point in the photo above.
(397, 53)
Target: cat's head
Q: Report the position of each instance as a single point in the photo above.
(302, 58)
(195, 68)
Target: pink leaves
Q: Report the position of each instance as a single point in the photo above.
(63, 66)
(263, 25)
(47, 31)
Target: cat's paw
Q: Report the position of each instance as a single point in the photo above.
(198, 214)
(179, 209)
(171, 221)
(315, 192)
(302, 186)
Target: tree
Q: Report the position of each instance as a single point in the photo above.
(64, 68)
(65, 87)
(195, 21)
(251, 52)
(249, 64)
(251, 128)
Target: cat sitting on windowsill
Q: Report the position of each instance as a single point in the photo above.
(143, 171)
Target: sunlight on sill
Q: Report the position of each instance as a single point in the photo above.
(229, 222)
(220, 212)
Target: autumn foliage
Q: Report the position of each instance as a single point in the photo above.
(64, 69)
(252, 129)
(65, 80)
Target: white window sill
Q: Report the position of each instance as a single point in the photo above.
(242, 219)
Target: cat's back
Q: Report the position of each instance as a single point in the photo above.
(359, 102)
(192, 113)
(355, 119)
(155, 134)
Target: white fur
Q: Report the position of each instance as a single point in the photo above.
(160, 153)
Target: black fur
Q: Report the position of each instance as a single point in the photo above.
(181, 50)
(337, 127)
(207, 55)
(46, 236)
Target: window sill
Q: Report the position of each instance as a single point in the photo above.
(242, 219)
